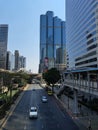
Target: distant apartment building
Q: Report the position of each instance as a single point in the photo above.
(52, 42)
(10, 63)
(82, 33)
(3, 45)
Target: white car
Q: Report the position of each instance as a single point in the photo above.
(44, 99)
(33, 112)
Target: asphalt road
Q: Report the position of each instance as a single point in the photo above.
(51, 115)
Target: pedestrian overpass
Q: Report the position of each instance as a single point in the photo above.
(80, 80)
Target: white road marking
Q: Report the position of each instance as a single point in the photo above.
(42, 126)
(25, 127)
(58, 125)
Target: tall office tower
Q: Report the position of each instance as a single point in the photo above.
(82, 33)
(3, 45)
(10, 62)
(22, 62)
(16, 59)
(52, 42)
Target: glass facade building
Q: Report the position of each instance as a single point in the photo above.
(82, 33)
(20, 61)
(16, 53)
(52, 41)
(10, 62)
(3, 45)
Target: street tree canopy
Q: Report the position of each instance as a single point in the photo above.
(51, 77)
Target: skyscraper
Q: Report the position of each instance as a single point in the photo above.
(3, 45)
(10, 63)
(22, 62)
(16, 59)
(82, 33)
(52, 42)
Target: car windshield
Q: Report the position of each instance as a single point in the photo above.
(43, 97)
(34, 110)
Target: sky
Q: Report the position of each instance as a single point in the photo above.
(23, 19)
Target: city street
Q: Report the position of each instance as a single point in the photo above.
(50, 114)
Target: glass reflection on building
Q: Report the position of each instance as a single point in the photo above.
(52, 41)
(3, 45)
(81, 33)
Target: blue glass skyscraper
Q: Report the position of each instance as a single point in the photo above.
(52, 42)
(82, 33)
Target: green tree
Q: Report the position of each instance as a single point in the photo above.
(23, 76)
(7, 81)
(51, 77)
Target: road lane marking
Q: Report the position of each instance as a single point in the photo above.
(58, 125)
(25, 127)
(42, 126)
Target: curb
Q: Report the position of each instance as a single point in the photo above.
(10, 111)
(73, 117)
(68, 111)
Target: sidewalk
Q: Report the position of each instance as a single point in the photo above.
(82, 120)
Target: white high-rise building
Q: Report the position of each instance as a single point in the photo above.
(82, 33)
